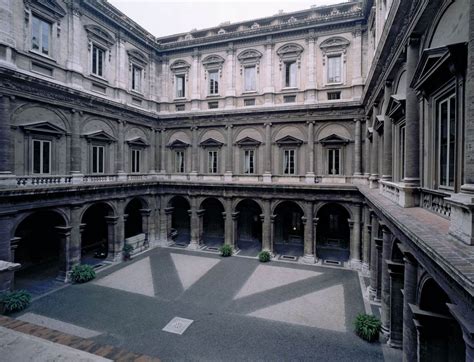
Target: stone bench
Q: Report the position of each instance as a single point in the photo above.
(138, 242)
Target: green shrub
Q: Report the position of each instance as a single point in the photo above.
(127, 251)
(264, 256)
(82, 273)
(226, 250)
(15, 301)
(367, 327)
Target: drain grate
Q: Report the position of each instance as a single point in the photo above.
(332, 262)
(97, 266)
(288, 257)
(178, 325)
(212, 248)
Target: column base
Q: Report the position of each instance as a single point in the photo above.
(309, 178)
(384, 334)
(359, 179)
(309, 259)
(194, 246)
(121, 176)
(355, 264)
(193, 176)
(408, 195)
(267, 177)
(394, 343)
(63, 276)
(461, 225)
(365, 269)
(373, 295)
(228, 176)
(7, 179)
(77, 178)
(374, 182)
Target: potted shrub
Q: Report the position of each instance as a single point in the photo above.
(264, 256)
(14, 301)
(127, 252)
(82, 273)
(367, 327)
(226, 250)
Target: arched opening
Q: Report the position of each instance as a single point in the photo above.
(180, 220)
(333, 233)
(213, 223)
(134, 221)
(441, 338)
(249, 227)
(95, 235)
(289, 229)
(38, 250)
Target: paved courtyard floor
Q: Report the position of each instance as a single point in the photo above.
(238, 309)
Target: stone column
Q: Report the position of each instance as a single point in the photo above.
(196, 224)
(357, 149)
(145, 213)
(396, 304)
(315, 238)
(229, 155)
(357, 57)
(385, 280)
(65, 261)
(374, 159)
(308, 233)
(163, 151)
(119, 168)
(195, 96)
(373, 259)
(230, 67)
(461, 314)
(113, 243)
(76, 149)
(269, 89)
(366, 238)
(387, 137)
(151, 165)
(311, 85)
(194, 151)
(412, 136)
(409, 297)
(228, 224)
(235, 229)
(168, 224)
(378, 253)
(6, 146)
(267, 242)
(157, 150)
(367, 154)
(310, 155)
(6, 225)
(267, 175)
(165, 79)
(355, 261)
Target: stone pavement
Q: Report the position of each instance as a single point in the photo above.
(240, 309)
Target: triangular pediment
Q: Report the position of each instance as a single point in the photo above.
(334, 44)
(178, 144)
(379, 122)
(334, 139)
(212, 60)
(137, 141)
(248, 141)
(211, 142)
(180, 65)
(249, 56)
(101, 136)
(43, 127)
(289, 140)
(396, 106)
(100, 35)
(50, 7)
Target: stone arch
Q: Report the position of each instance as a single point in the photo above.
(213, 221)
(249, 227)
(288, 228)
(133, 132)
(400, 84)
(330, 129)
(133, 216)
(182, 136)
(94, 124)
(250, 132)
(96, 240)
(39, 247)
(216, 134)
(333, 232)
(35, 113)
(279, 202)
(180, 219)
(318, 207)
(293, 131)
(450, 26)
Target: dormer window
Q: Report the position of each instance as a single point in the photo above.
(41, 36)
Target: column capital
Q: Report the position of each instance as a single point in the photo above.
(111, 219)
(267, 124)
(145, 212)
(63, 230)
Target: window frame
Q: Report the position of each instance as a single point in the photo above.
(214, 168)
(213, 88)
(135, 160)
(104, 148)
(95, 46)
(180, 168)
(41, 19)
(295, 161)
(252, 167)
(287, 77)
(41, 141)
(254, 82)
(134, 87)
(180, 78)
(341, 68)
(330, 160)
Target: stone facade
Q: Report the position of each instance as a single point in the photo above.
(337, 134)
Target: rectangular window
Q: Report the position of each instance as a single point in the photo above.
(41, 157)
(334, 95)
(249, 162)
(41, 36)
(136, 78)
(334, 161)
(446, 141)
(180, 107)
(136, 161)
(98, 159)
(98, 61)
(290, 74)
(179, 161)
(402, 153)
(212, 162)
(289, 99)
(180, 86)
(213, 105)
(214, 82)
(289, 162)
(334, 69)
(250, 79)
(249, 102)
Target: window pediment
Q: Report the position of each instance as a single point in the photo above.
(335, 44)
(100, 35)
(137, 57)
(249, 57)
(49, 7)
(211, 142)
(178, 144)
(289, 141)
(290, 51)
(396, 106)
(100, 136)
(44, 128)
(213, 62)
(334, 139)
(379, 122)
(248, 142)
(180, 66)
(137, 141)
